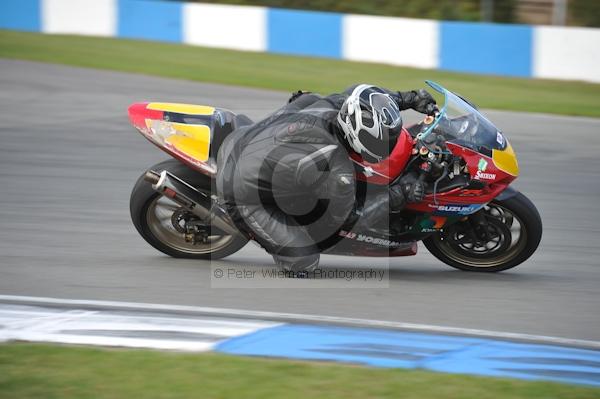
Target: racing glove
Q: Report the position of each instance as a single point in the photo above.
(397, 198)
(415, 192)
(297, 94)
(419, 100)
(412, 187)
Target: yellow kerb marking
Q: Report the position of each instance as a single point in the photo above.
(188, 109)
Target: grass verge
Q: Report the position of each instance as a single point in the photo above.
(290, 73)
(45, 371)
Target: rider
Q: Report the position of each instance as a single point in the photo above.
(288, 180)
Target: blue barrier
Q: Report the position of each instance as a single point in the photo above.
(486, 48)
(21, 15)
(304, 33)
(150, 20)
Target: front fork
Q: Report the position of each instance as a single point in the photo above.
(479, 226)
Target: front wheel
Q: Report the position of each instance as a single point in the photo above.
(165, 225)
(501, 236)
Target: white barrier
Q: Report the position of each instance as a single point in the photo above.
(81, 17)
(566, 53)
(397, 41)
(233, 27)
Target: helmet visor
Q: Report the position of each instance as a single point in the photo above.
(387, 110)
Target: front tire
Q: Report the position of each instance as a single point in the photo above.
(152, 216)
(457, 247)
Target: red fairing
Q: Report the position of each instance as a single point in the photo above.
(474, 199)
(494, 175)
(495, 181)
(138, 113)
(384, 172)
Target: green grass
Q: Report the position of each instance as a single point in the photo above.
(44, 371)
(290, 73)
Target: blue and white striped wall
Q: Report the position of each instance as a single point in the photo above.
(512, 50)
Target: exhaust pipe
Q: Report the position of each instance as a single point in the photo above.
(191, 199)
(152, 177)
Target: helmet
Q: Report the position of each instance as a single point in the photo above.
(371, 122)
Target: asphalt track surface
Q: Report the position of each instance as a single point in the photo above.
(68, 160)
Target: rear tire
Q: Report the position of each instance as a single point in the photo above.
(144, 203)
(503, 214)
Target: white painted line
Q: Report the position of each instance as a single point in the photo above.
(293, 317)
(110, 327)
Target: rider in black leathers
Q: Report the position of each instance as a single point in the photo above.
(288, 180)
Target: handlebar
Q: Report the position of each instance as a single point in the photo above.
(433, 110)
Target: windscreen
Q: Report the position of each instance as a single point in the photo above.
(461, 123)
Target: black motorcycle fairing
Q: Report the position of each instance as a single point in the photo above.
(222, 124)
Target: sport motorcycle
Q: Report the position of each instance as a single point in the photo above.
(470, 218)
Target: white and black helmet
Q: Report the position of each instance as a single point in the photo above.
(371, 122)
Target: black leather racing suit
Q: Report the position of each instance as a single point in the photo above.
(288, 180)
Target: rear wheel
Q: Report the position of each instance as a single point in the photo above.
(173, 230)
(501, 236)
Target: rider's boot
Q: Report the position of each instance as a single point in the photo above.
(299, 267)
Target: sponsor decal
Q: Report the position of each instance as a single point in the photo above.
(368, 239)
(432, 224)
(484, 176)
(439, 221)
(481, 167)
(458, 209)
(500, 138)
(347, 234)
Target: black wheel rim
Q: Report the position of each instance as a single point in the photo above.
(506, 238)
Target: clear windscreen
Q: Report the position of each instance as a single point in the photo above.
(461, 123)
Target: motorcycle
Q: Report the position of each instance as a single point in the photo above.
(470, 218)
